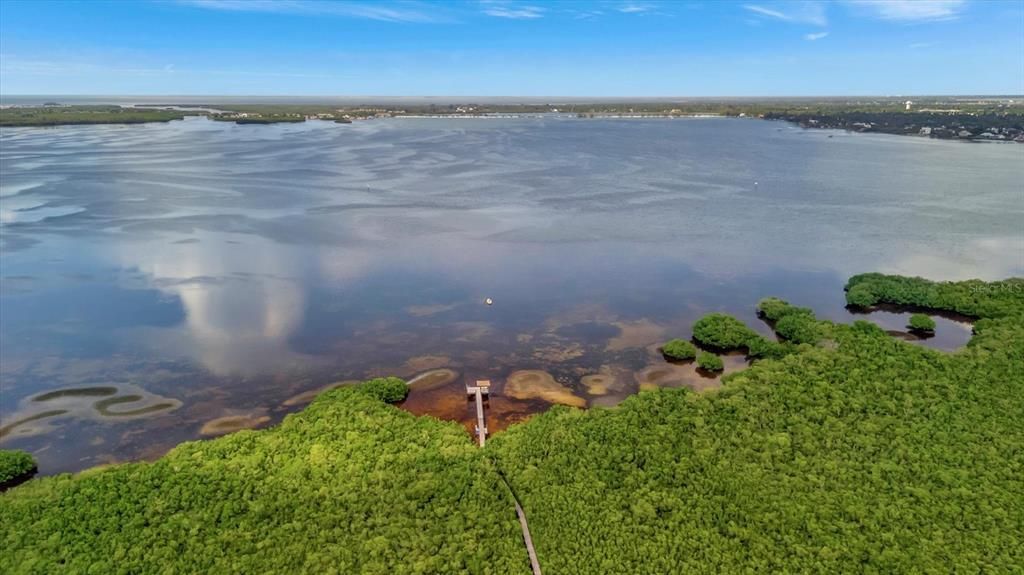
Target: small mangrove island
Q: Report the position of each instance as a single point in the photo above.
(15, 467)
(840, 449)
(56, 115)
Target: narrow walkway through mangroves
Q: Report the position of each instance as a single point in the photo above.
(480, 389)
(534, 563)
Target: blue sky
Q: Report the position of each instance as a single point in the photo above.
(498, 47)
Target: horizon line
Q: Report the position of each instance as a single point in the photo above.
(526, 97)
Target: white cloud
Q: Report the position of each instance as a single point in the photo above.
(514, 12)
(634, 8)
(912, 10)
(815, 36)
(796, 12)
(919, 45)
(405, 12)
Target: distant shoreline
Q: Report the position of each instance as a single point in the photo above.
(981, 120)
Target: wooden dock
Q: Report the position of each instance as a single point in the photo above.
(482, 388)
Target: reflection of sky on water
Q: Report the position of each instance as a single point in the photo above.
(234, 266)
(241, 301)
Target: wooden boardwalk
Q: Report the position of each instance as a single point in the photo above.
(534, 564)
(478, 392)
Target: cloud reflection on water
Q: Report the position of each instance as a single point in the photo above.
(242, 301)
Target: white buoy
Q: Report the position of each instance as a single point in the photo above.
(489, 301)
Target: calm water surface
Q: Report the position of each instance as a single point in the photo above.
(156, 278)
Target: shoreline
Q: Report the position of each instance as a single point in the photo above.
(444, 399)
(932, 126)
(837, 407)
